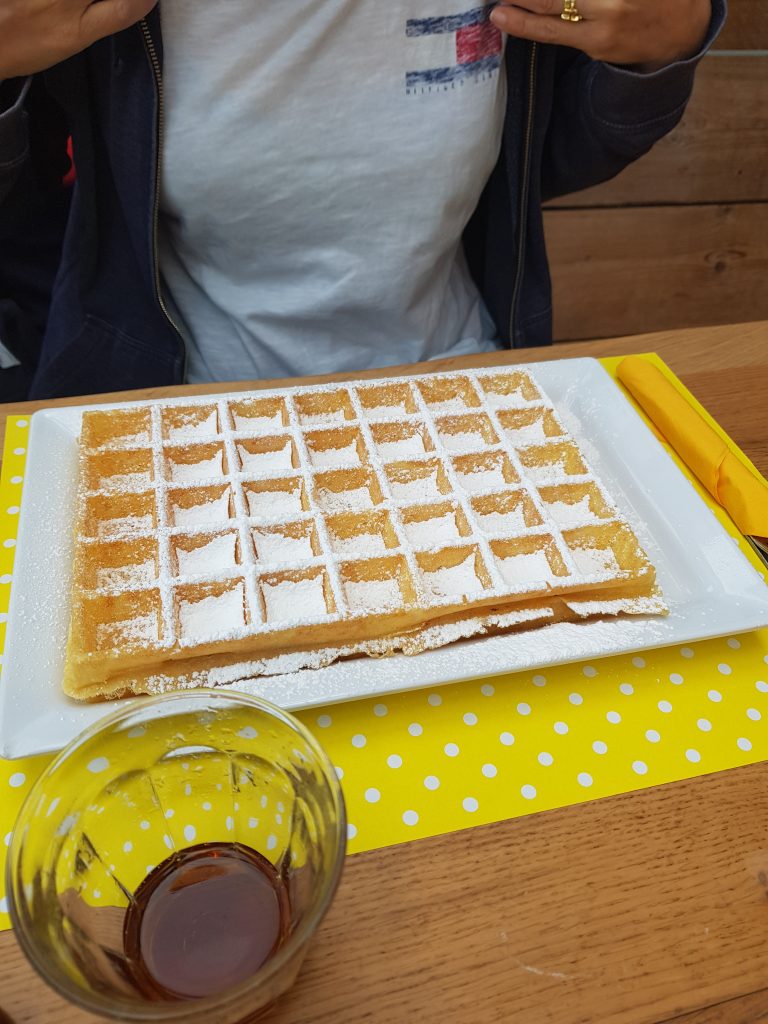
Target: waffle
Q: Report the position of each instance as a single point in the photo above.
(226, 537)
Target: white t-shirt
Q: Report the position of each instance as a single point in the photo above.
(320, 162)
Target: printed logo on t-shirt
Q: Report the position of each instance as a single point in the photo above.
(474, 47)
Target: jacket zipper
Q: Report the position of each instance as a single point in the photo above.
(149, 46)
(524, 190)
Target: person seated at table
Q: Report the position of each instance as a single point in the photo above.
(334, 185)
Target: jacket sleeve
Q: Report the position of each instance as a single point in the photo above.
(605, 116)
(33, 214)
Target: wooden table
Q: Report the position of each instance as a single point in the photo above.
(641, 908)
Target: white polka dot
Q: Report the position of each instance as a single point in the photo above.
(372, 795)
(358, 740)
(19, 451)
(415, 729)
(575, 699)
(410, 817)
(8, 837)
(271, 841)
(10, 543)
(207, 805)
(3, 905)
(248, 733)
(187, 789)
(263, 799)
(435, 700)
(470, 718)
(394, 761)
(715, 696)
(724, 669)
(229, 822)
(687, 652)
(743, 743)
(351, 830)
(765, 658)
(761, 685)
(6, 578)
(432, 782)
(545, 759)
(704, 724)
(145, 824)
(253, 822)
(22, 423)
(12, 510)
(507, 739)
(487, 690)
(664, 706)
(613, 717)
(470, 804)
(451, 749)
(693, 756)
(170, 812)
(127, 846)
(539, 680)
(676, 678)
(523, 708)
(561, 728)
(638, 662)
(339, 772)
(17, 479)
(149, 869)
(599, 747)
(380, 710)
(627, 689)
(278, 819)
(528, 792)
(754, 714)
(17, 779)
(589, 671)
(97, 894)
(489, 771)
(639, 767)
(98, 764)
(652, 736)
(324, 721)
(733, 643)
(168, 841)
(584, 779)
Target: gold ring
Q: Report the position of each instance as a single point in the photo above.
(570, 11)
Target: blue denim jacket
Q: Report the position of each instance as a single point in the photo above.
(80, 299)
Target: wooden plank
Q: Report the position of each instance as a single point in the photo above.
(719, 152)
(746, 27)
(637, 909)
(749, 1009)
(629, 910)
(624, 270)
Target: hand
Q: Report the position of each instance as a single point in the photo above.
(36, 34)
(647, 33)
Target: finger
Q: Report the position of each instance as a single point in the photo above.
(541, 28)
(550, 7)
(106, 17)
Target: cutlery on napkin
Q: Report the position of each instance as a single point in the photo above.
(741, 491)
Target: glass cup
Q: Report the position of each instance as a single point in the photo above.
(156, 778)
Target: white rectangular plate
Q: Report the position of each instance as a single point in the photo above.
(711, 589)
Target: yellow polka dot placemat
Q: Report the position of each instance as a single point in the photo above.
(431, 761)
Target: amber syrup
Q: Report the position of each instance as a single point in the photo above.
(205, 919)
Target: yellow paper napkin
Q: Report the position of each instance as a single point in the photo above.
(743, 493)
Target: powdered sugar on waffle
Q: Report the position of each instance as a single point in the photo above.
(219, 516)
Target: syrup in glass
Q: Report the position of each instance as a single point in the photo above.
(205, 919)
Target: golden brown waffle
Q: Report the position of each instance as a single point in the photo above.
(322, 522)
